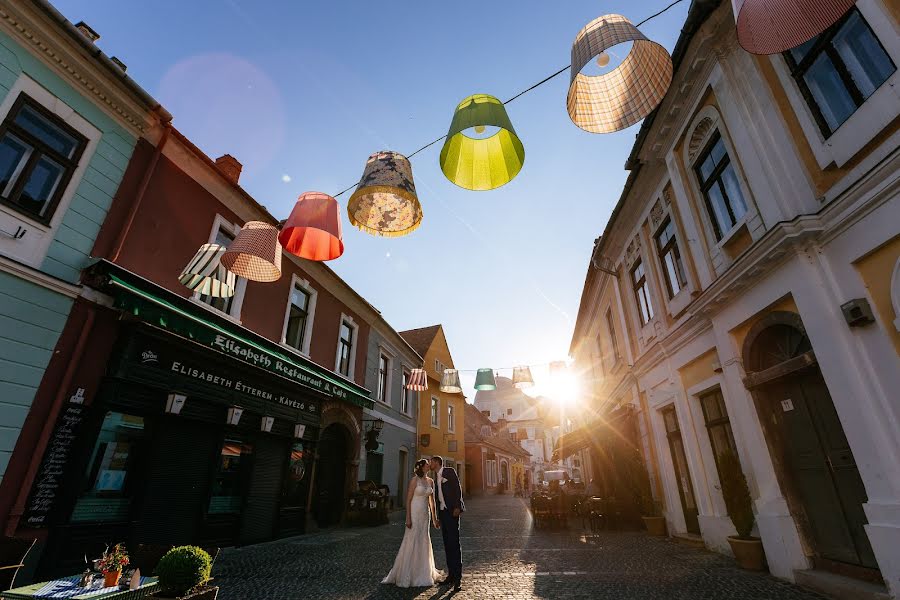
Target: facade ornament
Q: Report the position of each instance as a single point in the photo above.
(698, 137)
(656, 215)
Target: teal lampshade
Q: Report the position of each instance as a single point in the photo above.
(450, 381)
(484, 380)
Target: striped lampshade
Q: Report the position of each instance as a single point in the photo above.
(313, 230)
(255, 253)
(522, 377)
(620, 98)
(206, 275)
(385, 201)
(418, 380)
(775, 26)
(450, 381)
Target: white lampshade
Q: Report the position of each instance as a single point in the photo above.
(450, 381)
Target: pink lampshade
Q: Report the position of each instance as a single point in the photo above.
(418, 380)
(774, 26)
(313, 230)
(255, 253)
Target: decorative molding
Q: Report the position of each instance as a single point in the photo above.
(699, 136)
(656, 215)
(632, 252)
(36, 277)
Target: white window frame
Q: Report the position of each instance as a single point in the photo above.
(303, 284)
(407, 396)
(879, 109)
(31, 249)
(439, 366)
(354, 343)
(451, 418)
(432, 412)
(240, 288)
(389, 379)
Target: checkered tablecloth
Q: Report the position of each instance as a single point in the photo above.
(68, 588)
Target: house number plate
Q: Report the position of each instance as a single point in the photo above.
(787, 405)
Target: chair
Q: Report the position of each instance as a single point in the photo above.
(147, 556)
(12, 558)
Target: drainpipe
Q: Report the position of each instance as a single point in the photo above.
(145, 182)
(50, 423)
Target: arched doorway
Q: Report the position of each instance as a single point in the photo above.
(331, 474)
(814, 462)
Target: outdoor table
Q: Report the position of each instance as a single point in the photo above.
(68, 588)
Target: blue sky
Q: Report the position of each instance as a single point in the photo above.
(302, 92)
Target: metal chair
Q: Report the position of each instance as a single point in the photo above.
(12, 558)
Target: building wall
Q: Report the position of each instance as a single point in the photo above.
(38, 271)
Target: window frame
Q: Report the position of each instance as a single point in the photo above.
(451, 418)
(824, 45)
(70, 165)
(663, 250)
(303, 285)
(220, 223)
(351, 353)
(613, 340)
(704, 185)
(384, 380)
(723, 421)
(435, 412)
(642, 285)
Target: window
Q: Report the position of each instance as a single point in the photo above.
(641, 292)
(38, 155)
(451, 418)
(452, 445)
(485, 431)
(405, 394)
(383, 368)
(508, 411)
(223, 238)
(613, 342)
(670, 257)
(721, 437)
(839, 69)
(232, 477)
(298, 318)
(438, 366)
(719, 185)
(490, 468)
(345, 348)
(435, 412)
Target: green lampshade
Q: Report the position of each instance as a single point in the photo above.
(484, 380)
(484, 163)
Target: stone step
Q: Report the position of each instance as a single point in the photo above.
(840, 587)
(689, 539)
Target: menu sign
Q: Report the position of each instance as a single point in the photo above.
(49, 477)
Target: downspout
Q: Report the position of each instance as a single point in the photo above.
(142, 190)
(50, 423)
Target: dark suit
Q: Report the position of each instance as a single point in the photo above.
(449, 524)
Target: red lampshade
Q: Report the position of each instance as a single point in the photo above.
(774, 26)
(418, 380)
(313, 231)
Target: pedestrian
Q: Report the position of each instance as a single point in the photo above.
(450, 507)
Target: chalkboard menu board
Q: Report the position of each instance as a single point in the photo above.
(49, 477)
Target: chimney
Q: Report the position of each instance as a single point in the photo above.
(229, 167)
(119, 63)
(87, 32)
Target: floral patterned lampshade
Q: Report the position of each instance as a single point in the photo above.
(418, 380)
(775, 26)
(385, 201)
(475, 157)
(522, 377)
(484, 380)
(450, 381)
(255, 253)
(620, 98)
(206, 275)
(313, 230)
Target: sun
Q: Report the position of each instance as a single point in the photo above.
(563, 389)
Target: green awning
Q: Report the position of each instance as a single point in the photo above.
(158, 311)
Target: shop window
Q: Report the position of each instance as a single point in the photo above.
(838, 70)
(232, 477)
(295, 488)
(641, 292)
(670, 257)
(107, 487)
(451, 418)
(718, 425)
(719, 185)
(435, 412)
(38, 155)
(299, 319)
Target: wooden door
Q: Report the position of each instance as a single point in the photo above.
(682, 474)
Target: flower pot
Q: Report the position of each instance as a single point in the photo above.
(111, 578)
(748, 553)
(206, 592)
(655, 525)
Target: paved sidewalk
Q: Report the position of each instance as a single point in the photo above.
(503, 557)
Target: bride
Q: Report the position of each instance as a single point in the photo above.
(414, 565)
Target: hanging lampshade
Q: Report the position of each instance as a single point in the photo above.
(206, 275)
(450, 381)
(481, 163)
(484, 380)
(558, 367)
(255, 253)
(775, 26)
(522, 377)
(418, 380)
(618, 99)
(385, 201)
(313, 230)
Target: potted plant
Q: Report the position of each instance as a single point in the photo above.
(748, 550)
(111, 565)
(183, 573)
(638, 481)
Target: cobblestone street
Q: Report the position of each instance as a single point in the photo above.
(503, 556)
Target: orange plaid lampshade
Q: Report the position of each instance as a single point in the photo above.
(255, 253)
(618, 99)
(418, 380)
(313, 230)
(775, 26)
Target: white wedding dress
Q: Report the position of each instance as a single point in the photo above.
(414, 565)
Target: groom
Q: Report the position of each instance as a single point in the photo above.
(450, 507)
